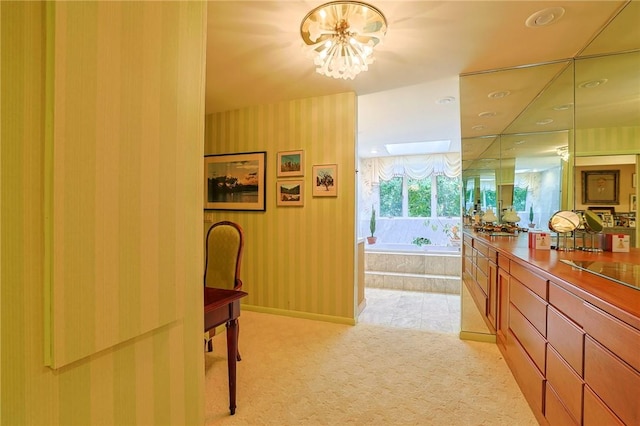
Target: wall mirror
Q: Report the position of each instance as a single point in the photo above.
(528, 133)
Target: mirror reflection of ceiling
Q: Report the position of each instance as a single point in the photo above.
(534, 119)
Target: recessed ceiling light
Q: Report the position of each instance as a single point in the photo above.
(563, 107)
(487, 114)
(544, 121)
(374, 151)
(592, 83)
(479, 127)
(544, 17)
(499, 94)
(412, 148)
(446, 100)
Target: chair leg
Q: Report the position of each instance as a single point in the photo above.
(238, 358)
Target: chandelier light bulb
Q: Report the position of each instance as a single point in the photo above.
(341, 35)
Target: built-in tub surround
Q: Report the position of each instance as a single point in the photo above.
(409, 267)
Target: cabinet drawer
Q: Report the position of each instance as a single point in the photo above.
(483, 264)
(535, 282)
(596, 413)
(468, 265)
(529, 338)
(615, 383)
(481, 248)
(554, 411)
(482, 280)
(504, 262)
(567, 303)
(617, 336)
(492, 255)
(566, 383)
(531, 306)
(529, 379)
(566, 338)
(479, 297)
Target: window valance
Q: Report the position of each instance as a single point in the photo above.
(414, 166)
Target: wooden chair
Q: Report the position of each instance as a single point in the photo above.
(223, 255)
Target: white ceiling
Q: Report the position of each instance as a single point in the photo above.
(254, 56)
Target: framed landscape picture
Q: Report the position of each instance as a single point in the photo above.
(290, 163)
(235, 181)
(325, 180)
(290, 193)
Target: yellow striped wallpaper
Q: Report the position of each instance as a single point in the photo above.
(608, 141)
(116, 242)
(297, 261)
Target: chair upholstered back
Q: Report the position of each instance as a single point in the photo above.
(225, 241)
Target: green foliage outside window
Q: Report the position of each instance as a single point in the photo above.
(419, 192)
(419, 201)
(519, 199)
(489, 198)
(448, 196)
(391, 197)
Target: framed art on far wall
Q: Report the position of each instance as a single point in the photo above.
(290, 163)
(601, 187)
(633, 203)
(235, 181)
(325, 180)
(290, 193)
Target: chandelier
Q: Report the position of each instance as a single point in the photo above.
(341, 35)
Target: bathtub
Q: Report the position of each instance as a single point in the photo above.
(411, 248)
(435, 269)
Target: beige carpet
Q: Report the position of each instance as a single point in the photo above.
(303, 372)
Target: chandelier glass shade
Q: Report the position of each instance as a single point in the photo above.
(341, 35)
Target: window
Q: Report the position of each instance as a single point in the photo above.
(519, 199)
(391, 197)
(419, 197)
(448, 196)
(406, 197)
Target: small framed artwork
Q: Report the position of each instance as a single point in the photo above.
(633, 204)
(235, 181)
(634, 180)
(290, 192)
(290, 163)
(325, 180)
(601, 187)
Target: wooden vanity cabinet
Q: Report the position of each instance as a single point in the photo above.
(492, 287)
(502, 296)
(575, 356)
(479, 275)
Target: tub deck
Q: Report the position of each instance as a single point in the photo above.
(433, 270)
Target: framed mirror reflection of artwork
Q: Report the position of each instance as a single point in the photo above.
(601, 187)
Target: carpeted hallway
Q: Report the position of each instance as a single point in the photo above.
(303, 372)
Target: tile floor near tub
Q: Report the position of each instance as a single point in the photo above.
(412, 309)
